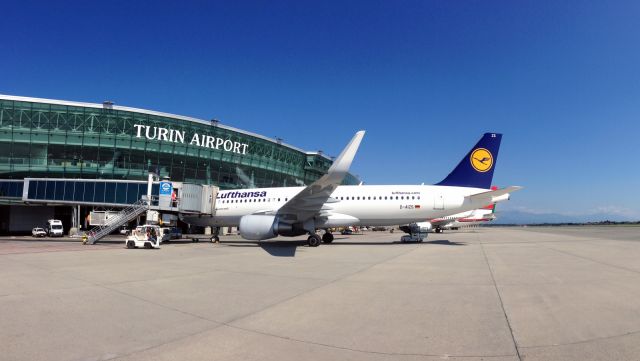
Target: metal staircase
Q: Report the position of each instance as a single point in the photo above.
(126, 215)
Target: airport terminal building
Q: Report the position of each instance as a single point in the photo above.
(55, 155)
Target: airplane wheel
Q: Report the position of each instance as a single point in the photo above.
(313, 240)
(215, 239)
(327, 238)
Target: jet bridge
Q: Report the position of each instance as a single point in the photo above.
(162, 196)
(197, 199)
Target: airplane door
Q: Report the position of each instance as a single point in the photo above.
(438, 202)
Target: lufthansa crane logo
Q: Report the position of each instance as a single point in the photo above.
(481, 160)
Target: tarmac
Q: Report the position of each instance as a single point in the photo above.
(557, 293)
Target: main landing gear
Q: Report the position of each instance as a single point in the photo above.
(313, 240)
(327, 237)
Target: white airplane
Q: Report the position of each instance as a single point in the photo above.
(454, 221)
(265, 213)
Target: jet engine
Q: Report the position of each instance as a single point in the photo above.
(258, 227)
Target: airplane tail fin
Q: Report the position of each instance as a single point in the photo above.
(476, 168)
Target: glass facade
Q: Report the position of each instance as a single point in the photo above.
(53, 139)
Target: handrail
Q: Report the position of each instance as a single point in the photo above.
(116, 221)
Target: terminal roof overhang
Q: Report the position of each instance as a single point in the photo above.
(151, 112)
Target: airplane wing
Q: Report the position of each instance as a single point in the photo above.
(308, 203)
(492, 196)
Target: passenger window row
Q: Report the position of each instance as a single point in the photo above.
(363, 198)
(379, 198)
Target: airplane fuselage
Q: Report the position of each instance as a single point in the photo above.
(348, 205)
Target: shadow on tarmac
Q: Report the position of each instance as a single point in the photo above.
(274, 248)
(443, 242)
(281, 249)
(288, 248)
(446, 242)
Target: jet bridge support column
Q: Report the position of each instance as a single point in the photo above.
(149, 187)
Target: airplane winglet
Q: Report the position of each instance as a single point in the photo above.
(344, 160)
(310, 200)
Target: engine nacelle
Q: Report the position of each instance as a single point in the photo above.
(257, 227)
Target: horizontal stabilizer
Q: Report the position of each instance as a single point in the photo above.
(493, 196)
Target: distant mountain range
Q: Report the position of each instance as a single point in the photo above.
(523, 217)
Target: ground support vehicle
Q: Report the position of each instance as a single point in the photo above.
(170, 233)
(147, 236)
(413, 237)
(38, 232)
(54, 228)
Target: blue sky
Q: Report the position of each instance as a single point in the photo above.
(560, 80)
